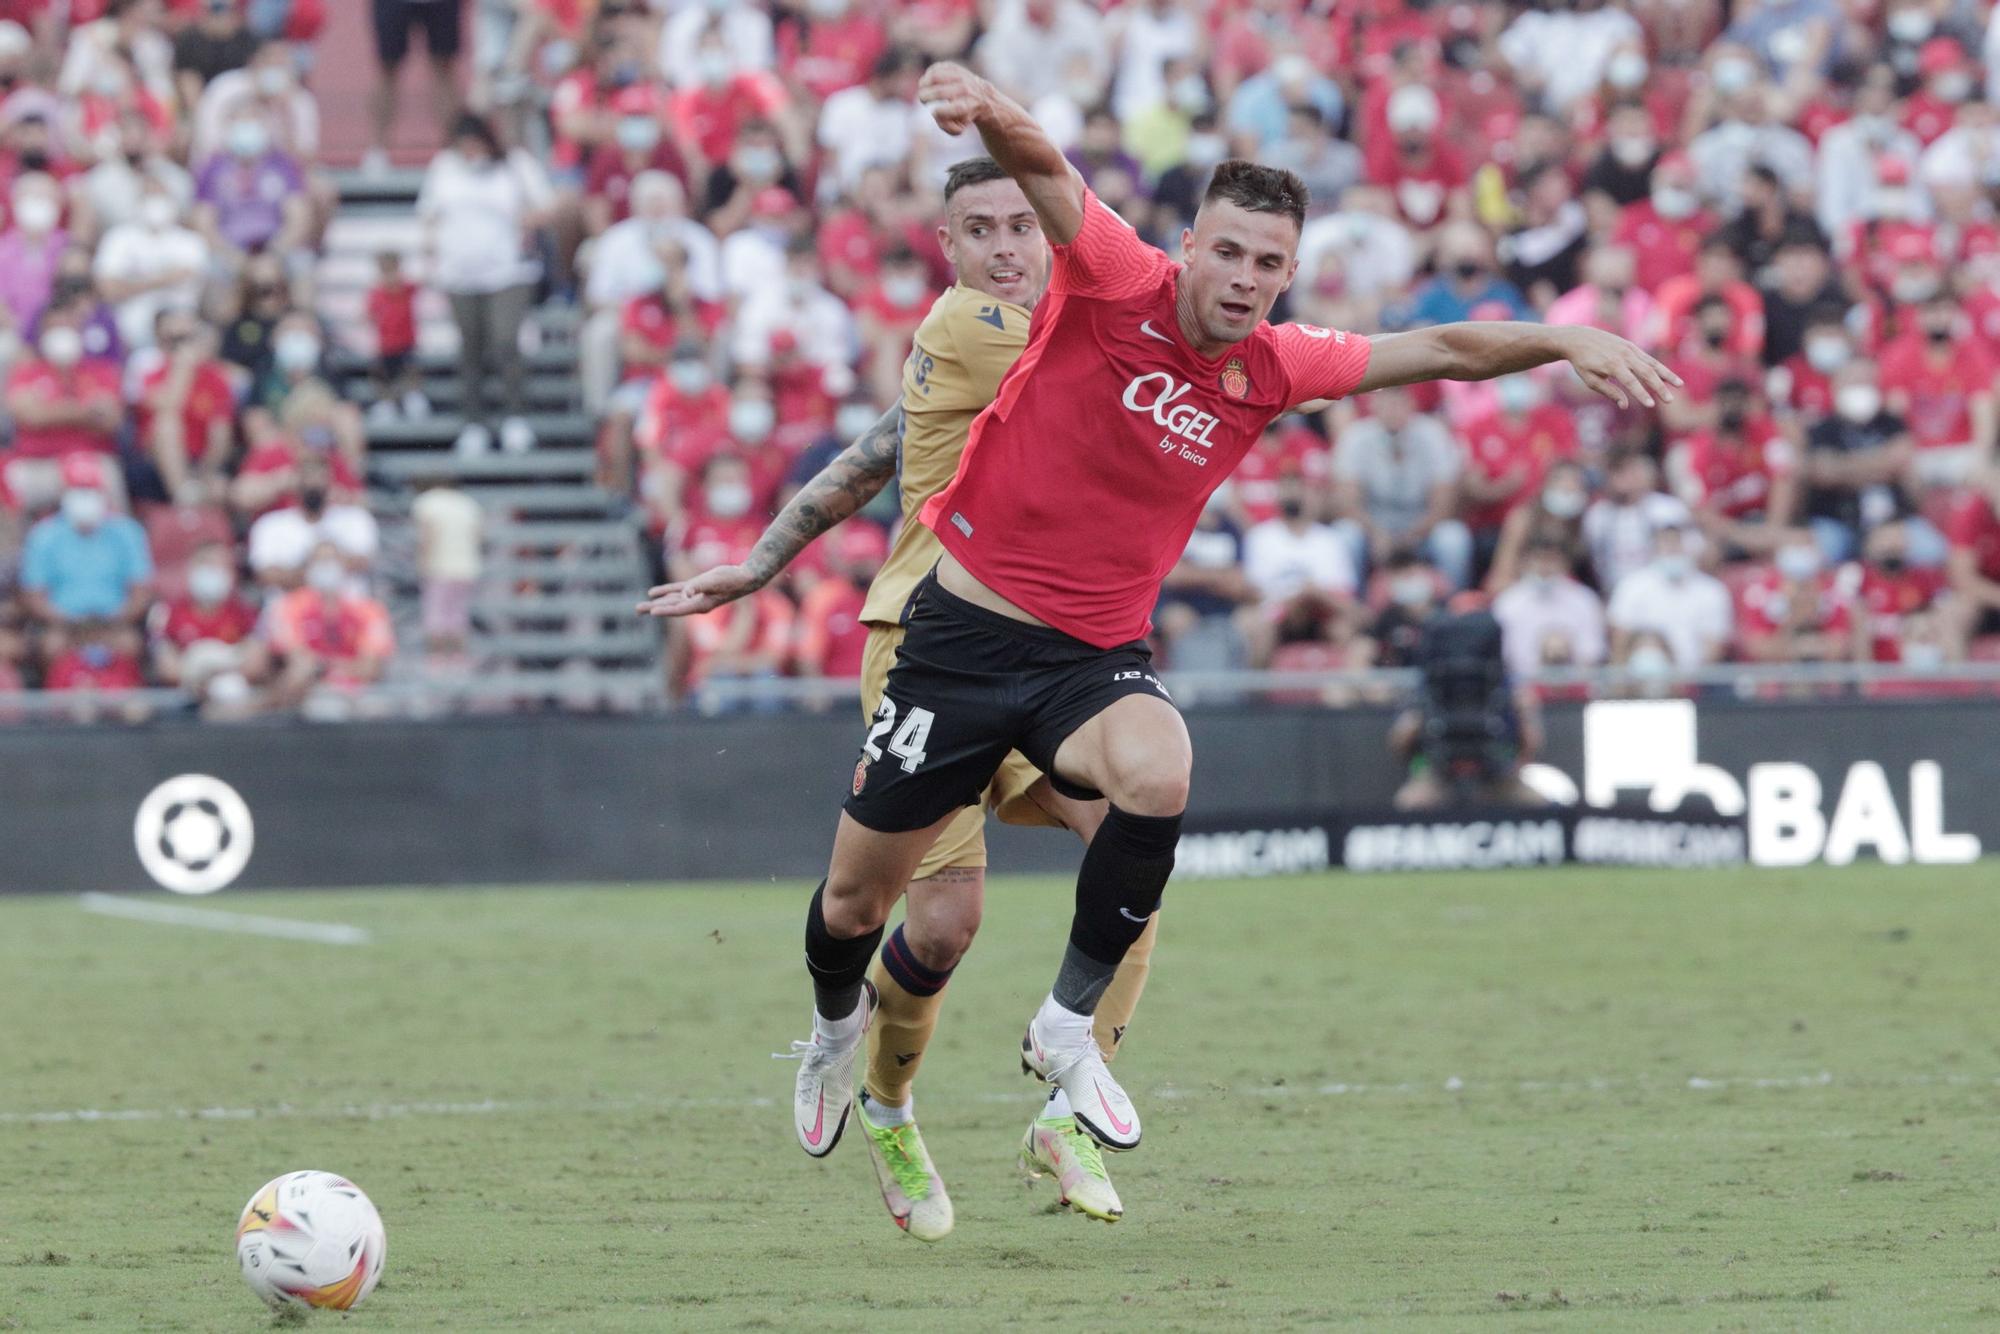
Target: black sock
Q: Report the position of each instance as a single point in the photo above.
(837, 966)
(1124, 873)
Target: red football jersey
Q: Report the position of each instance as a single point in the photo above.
(1734, 478)
(1973, 525)
(1082, 480)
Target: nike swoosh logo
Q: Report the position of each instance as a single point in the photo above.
(902, 1059)
(1131, 917)
(1118, 1127)
(819, 1121)
(1146, 328)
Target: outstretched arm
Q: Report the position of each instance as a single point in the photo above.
(959, 100)
(853, 479)
(1482, 350)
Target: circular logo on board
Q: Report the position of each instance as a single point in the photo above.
(193, 834)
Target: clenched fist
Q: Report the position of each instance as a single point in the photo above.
(954, 95)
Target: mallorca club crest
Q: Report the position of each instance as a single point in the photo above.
(860, 774)
(1235, 381)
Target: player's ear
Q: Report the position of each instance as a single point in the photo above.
(1291, 272)
(944, 244)
(1187, 242)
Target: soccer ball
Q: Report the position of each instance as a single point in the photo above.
(311, 1239)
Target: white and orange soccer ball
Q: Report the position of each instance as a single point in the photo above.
(311, 1239)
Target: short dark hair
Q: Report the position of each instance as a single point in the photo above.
(972, 171)
(1259, 189)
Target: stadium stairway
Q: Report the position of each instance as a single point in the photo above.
(565, 559)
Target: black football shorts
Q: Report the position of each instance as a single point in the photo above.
(970, 685)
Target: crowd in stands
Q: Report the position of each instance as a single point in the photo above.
(1791, 202)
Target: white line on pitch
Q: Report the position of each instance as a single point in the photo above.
(386, 1111)
(215, 919)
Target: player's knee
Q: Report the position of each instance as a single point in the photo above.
(854, 907)
(1158, 786)
(940, 944)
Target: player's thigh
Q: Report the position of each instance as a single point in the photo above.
(960, 845)
(1135, 751)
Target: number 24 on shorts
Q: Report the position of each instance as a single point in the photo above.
(907, 742)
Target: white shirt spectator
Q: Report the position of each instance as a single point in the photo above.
(1148, 38)
(92, 63)
(1962, 155)
(1529, 612)
(137, 253)
(1846, 182)
(479, 213)
(450, 522)
(819, 320)
(1990, 54)
(1374, 255)
(113, 187)
(860, 131)
(1691, 612)
(1280, 563)
(1722, 155)
(752, 261)
(1031, 61)
(1397, 473)
(296, 130)
(1620, 536)
(746, 35)
(1564, 52)
(624, 264)
(282, 541)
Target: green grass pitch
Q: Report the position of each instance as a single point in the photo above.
(1578, 1101)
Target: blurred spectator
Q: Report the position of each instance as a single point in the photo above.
(1203, 592)
(1973, 528)
(1544, 250)
(251, 196)
(1301, 568)
(1857, 468)
(215, 42)
(202, 638)
(269, 86)
(1740, 476)
(1329, 165)
(831, 635)
(1941, 383)
(327, 634)
(1793, 612)
(1620, 528)
(450, 525)
(480, 206)
(325, 519)
(392, 311)
(152, 264)
(638, 145)
(1853, 153)
(1038, 47)
(815, 322)
(395, 21)
(869, 124)
(1554, 517)
(627, 263)
(1717, 274)
(1396, 480)
(1748, 134)
(1546, 603)
(30, 250)
(1260, 108)
(112, 192)
(1801, 286)
(183, 412)
(1466, 286)
(1421, 168)
(1892, 596)
(1509, 451)
(1688, 610)
(1622, 171)
(61, 404)
(1609, 297)
(85, 565)
(1665, 229)
(1411, 592)
(1560, 55)
(888, 312)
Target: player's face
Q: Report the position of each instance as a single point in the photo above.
(1237, 264)
(994, 242)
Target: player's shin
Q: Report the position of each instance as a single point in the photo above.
(912, 994)
(838, 966)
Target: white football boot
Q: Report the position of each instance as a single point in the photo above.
(1098, 1103)
(824, 1093)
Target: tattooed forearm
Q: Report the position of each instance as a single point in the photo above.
(853, 479)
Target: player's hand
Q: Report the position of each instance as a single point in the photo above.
(953, 94)
(1619, 370)
(705, 592)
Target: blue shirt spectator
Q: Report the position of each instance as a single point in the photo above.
(87, 570)
(1261, 106)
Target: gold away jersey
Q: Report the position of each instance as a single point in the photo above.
(962, 349)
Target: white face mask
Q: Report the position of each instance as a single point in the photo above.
(249, 138)
(1858, 403)
(209, 584)
(1913, 288)
(273, 80)
(158, 212)
(1650, 660)
(1923, 657)
(1632, 153)
(1798, 563)
(1675, 564)
(751, 420)
(853, 420)
(1732, 74)
(1410, 590)
(728, 500)
(37, 214)
(691, 377)
(1205, 150)
(325, 576)
(84, 508)
(62, 346)
(714, 67)
(638, 134)
(1517, 394)
(757, 163)
(1564, 503)
(296, 351)
(1911, 25)
(1953, 87)
(1670, 201)
(903, 289)
(1626, 71)
(1827, 355)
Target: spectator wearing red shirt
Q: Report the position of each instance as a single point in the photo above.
(1704, 360)
(708, 117)
(720, 523)
(1806, 377)
(652, 329)
(1796, 612)
(830, 46)
(1892, 593)
(888, 313)
(1509, 451)
(1717, 273)
(392, 311)
(205, 633)
(1665, 229)
(184, 414)
(61, 403)
(327, 634)
(1415, 161)
(1740, 476)
(1942, 385)
(831, 635)
(638, 144)
(1973, 567)
(1947, 72)
(99, 657)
